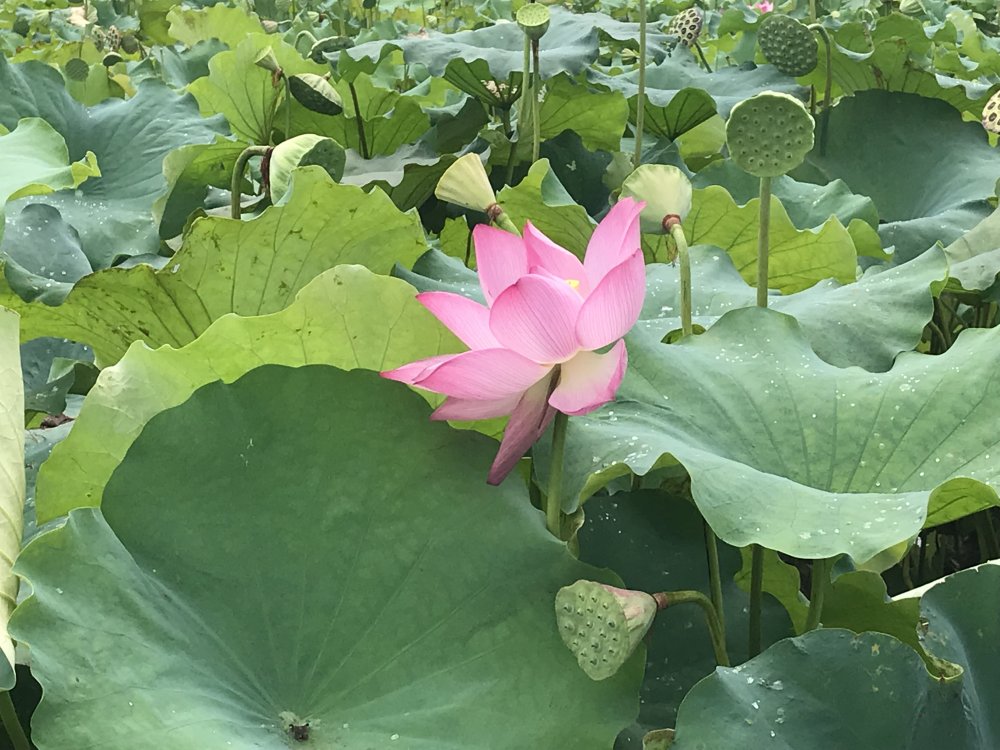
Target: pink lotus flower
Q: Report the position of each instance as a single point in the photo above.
(764, 6)
(532, 346)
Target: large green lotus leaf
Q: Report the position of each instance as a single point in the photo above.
(799, 258)
(975, 256)
(655, 542)
(870, 688)
(727, 86)
(42, 255)
(865, 323)
(686, 110)
(928, 172)
(407, 176)
(787, 451)
(246, 267)
(227, 24)
(36, 161)
(599, 118)
(347, 317)
(42, 392)
(858, 601)
(569, 46)
(11, 483)
(808, 204)
(112, 213)
(292, 575)
(244, 93)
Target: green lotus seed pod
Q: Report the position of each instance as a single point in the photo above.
(687, 26)
(666, 191)
(788, 45)
(111, 59)
(303, 151)
(991, 114)
(602, 625)
(331, 44)
(534, 19)
(314, 92)
(265, 59)
(77, 69)
(129, 45)
(466, 184)
(769, 134)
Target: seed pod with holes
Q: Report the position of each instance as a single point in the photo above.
(687, 26)
(534, 19)
(303, 151)
(77, 69)
(991, 114)
(602, 625)
(666, 191)
(314, 92)
(769, 134)
(788, 45)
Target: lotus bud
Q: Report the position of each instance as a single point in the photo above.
(315, 93)
(466, 184)
(991, 114)
(769, 134)
(666, 191)
(302, 151)
(534, 19)
(266, 60)
(602, 625)
(269, 26)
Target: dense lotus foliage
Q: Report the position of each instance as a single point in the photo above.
(490, 374)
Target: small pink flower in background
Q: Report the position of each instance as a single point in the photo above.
(764, 6)
(532, 346)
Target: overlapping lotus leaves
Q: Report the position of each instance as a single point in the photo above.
(347, 611)
(227, 24)
(247, 267)
(655, 542)
(111, 213)
(347, 317)
(11, 483)
(818, 688)
(769, 432)
(930, 184)
(570, 45)
(975, 256)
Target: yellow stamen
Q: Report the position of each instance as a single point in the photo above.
(574, 283)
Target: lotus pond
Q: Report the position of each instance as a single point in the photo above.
(492, 375)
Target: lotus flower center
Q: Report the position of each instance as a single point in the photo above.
(574, 283)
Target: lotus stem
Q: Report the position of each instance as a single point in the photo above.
(553, 499)
(536, 126)
(641, 112)
(762, 240)
(523, 108)
(756, 597)
(684, 257)
(670, 598)
(236, 185)
(812, 10)
(824, 123)
(701, 56)
(817, 592)
(715, 577)
(362, 141)
(12, 724)
(288, 106)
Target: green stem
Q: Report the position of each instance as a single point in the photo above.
(505, 121)
(12, 724)
(536, 125)
(817, 592)
(553, 499)
(756, 597)
(523, 109)
(684, 256)
(812, 10)
(715, 577)
(503, 221)
(762, 240)
(641, 111)
(824, 123)
(288, 107)
(670, 598)
(236, 184)
(362, 141)
(701, 55)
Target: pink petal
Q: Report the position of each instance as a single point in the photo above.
(614, 240)
(412, 373)
(545, 254)
(614, 305)
(526, 425)
(500, 259)
(464, 317)
(536, 317)
(464, 409)
(484, 374)
(589, 380)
